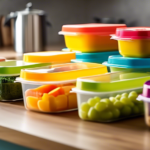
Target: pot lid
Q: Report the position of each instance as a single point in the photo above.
(29, 10)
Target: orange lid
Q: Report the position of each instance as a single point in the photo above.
(49, 56)
(92, 28)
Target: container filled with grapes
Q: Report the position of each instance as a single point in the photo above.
(110, 97)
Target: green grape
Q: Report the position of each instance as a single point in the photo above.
(133, 93)
(110, 104)
(107, 115)
(118, 104)
(126, 111)
(112, 99)
(132, 96)
(97, 98)
(83, 114)
(85, 107)
(92, 101)
(125, 100)
(124, 95)
(93, 114)
(118, 97)
(141, 108)
(131, 104)
(136, 110)
(116, 113)
(100, 106)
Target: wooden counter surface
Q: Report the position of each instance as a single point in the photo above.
(66, 130)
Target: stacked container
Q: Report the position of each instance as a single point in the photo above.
(134, 46)
(49, 90)
(113, 96)
(91, 42)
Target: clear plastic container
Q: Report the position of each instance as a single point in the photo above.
(9, 71)
(49, 90)
(145, 96)
(53, 57)
(110, 97)
(133, 42)
(90, 37)
(120, 63)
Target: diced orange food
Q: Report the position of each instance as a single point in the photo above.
(32, 102)
(67, 89)
(38, 92)
(72, 100)
(47, 104)
(57, 91)
(61, 102)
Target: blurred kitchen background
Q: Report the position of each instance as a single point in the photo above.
(60, 12)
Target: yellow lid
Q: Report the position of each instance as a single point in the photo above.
(63, 72)
(49, 56)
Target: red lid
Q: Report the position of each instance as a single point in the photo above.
(133, 33)
(92, 28)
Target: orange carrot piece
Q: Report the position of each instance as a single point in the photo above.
(57, 91)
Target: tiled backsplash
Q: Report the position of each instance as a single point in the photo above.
(61, 12)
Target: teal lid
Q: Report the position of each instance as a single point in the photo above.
(127, 62)
(14, 67)
(98, 57)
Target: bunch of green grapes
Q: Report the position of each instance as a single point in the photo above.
(106, 109)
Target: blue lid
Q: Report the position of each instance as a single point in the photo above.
(99, 56)
(127, 62)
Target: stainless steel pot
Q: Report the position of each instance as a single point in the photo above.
(29, 29)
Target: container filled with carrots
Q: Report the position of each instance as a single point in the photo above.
(50, 90)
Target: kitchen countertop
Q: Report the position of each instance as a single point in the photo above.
(66, 131)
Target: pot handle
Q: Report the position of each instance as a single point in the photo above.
(8, 18)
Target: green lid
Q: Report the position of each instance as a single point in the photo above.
(112, 81)
(14, 67)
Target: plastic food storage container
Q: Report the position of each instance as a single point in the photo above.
(133, 42)
(110, 97)
(49, 90)
(53, 57)
(90, 37)
(145, 96)
(99, 57)
(9, 71)
(119, 63)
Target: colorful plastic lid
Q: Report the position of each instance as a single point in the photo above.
(2, 59)
(127, 62)
(14, 67)
(112, 81)
(99, 57)
(145, 96)
(91, 28)
(63, 72)
(132, 33)
(49, 56)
